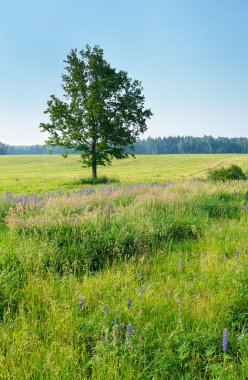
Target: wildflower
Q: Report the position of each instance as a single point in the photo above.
(105, 308)
(138, 275)
(123, 326)
(129, 302)
(179, 300)
(116, 320)
(225, 340)
(80, 302)
(129, 330)
(166, 294)
(142, 288)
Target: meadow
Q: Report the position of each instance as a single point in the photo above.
(26, 174)
(135, 280)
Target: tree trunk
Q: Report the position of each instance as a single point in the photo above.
(94, 172)
(93, 165)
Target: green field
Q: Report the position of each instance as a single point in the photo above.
(24, 174)
(135, 281)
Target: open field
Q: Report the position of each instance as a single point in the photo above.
(22, 174)
(135, 281)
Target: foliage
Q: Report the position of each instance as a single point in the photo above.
(95, 181)
(103, 113)
(233, 172)
(220, 206)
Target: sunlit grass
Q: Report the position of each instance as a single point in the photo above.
(24, 174)
(158, 244)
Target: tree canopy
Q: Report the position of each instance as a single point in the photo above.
(103, 110)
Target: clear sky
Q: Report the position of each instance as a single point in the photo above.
(191, 56)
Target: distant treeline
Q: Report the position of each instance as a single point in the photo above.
(29, 149)
(158, 145)
(189, 144)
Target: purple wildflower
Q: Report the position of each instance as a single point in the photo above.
(166, 294)
(179, 300)
(225, 340)
(129, 330)
(116, 320)
(123, 326)
(105, 308)
(129, 302)
(80, 302)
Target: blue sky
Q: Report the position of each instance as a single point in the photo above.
(191, 56)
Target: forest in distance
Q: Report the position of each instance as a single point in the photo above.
(150, 145)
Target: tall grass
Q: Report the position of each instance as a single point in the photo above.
(170, 262)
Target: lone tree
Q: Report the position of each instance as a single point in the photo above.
(102, 113)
